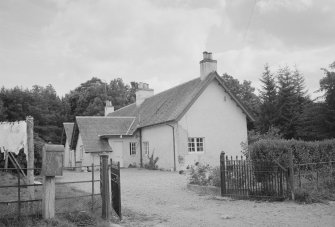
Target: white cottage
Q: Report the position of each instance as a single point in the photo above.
(192, 122)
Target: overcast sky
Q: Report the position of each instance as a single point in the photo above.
(65, 43)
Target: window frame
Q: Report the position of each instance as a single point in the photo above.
(132, 148)
(146, 147)
(194, 145)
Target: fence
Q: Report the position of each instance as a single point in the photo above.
(245, 179)
(116, 187)
(80, 192)
(315, 177)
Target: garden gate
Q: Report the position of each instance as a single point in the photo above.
(245, 178)
(116, 189)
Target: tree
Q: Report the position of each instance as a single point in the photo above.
(268, 97)
(327, 85)
(89, 98)
(287, 103)
(312, 123)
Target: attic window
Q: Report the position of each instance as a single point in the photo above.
(195, 144)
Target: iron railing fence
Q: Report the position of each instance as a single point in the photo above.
(252, 179)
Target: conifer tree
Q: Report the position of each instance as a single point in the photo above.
(268, 96)
(327, 84)
(287, 103)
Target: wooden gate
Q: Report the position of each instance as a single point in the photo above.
(245, 178)
(115, 186)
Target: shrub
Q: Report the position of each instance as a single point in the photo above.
(152, 163)
(215, 176)
(303, 151)
(199, 174)
(204, 175)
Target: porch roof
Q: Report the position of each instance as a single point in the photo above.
(93, 128)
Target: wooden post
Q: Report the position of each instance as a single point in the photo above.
(6, 158)
(19, 193)
(52, 166)
(105, 190)
(92, 186)
(291, 174)
(223, 173)
(48, 200)
(30, 158)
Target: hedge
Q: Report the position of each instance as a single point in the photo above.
(303, 151)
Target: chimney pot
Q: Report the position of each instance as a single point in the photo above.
(143, 92)
(207, 65)
(109, 108)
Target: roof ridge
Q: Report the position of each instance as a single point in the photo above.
(179, 85)
(124, 107)
(102, 117)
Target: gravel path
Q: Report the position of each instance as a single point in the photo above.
(157, 198)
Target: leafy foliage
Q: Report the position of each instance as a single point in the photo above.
(303, 151)
(50, 111)
(204, 175)
(152, 162)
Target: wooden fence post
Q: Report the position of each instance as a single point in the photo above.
(92, 186)
(291, 174)
(105, 191)
(52, 166)
(30, 158)
(223, 173)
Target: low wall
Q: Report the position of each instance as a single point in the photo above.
(210, 190)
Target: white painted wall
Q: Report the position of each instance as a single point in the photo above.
(217, 118)
(160, 143)
(68, 155)
(86, 159)
(126, 157)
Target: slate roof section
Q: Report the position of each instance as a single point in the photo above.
(68, 128)
(170, 105)
(91, 128)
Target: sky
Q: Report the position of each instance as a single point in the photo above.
(160, 42)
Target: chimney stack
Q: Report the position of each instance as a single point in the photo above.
(109, 108)
(207, 65)
(143, 92)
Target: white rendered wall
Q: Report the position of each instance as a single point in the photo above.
(127, 158)
(217, 118)
(68, 155)
(160, 143)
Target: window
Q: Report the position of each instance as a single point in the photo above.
(132, 148)
(146, 148)
(81, 152)
(195, 144)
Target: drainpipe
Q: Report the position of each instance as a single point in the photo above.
(141, 158)
(174, 148)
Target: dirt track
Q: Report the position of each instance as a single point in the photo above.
(156, 198)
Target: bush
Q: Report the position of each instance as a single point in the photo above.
(152, 163)
(204, 175)
(303, 151)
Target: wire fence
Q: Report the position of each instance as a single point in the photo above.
(318, 177)
(77, 190)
